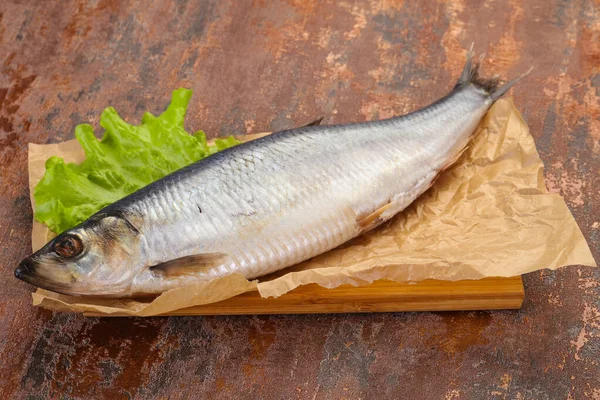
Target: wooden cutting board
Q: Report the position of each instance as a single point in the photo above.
(380, 296)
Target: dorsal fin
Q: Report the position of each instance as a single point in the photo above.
(313, 123)
(189, 265)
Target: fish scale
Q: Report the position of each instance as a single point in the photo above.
(381, 163)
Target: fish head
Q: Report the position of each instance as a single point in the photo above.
(99, 257)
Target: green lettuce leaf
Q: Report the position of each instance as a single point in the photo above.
(127, 158)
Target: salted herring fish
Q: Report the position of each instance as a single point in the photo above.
(264, 205)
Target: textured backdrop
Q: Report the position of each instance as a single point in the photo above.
(267, 65)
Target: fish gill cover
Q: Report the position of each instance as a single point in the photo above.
(127, 158)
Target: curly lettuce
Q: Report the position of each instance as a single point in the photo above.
(127, 158)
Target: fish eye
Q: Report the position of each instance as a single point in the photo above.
(69, 246)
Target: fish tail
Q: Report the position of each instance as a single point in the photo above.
(496, 94)
(470, 76)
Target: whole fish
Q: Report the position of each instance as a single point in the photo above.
(264, 205)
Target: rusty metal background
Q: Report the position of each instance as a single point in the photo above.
(267, 65)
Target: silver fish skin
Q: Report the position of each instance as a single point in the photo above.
(264, 205)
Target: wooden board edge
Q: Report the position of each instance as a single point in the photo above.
(379, 296)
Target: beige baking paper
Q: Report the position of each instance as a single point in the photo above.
(490, 215)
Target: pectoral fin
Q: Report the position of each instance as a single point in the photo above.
(190, 265)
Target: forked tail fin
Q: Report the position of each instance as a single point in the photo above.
(470, 76)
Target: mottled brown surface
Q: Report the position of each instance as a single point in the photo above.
(267, 65)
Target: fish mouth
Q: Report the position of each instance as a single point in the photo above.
(26, 272)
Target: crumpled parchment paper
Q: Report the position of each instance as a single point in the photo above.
(490, 215)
